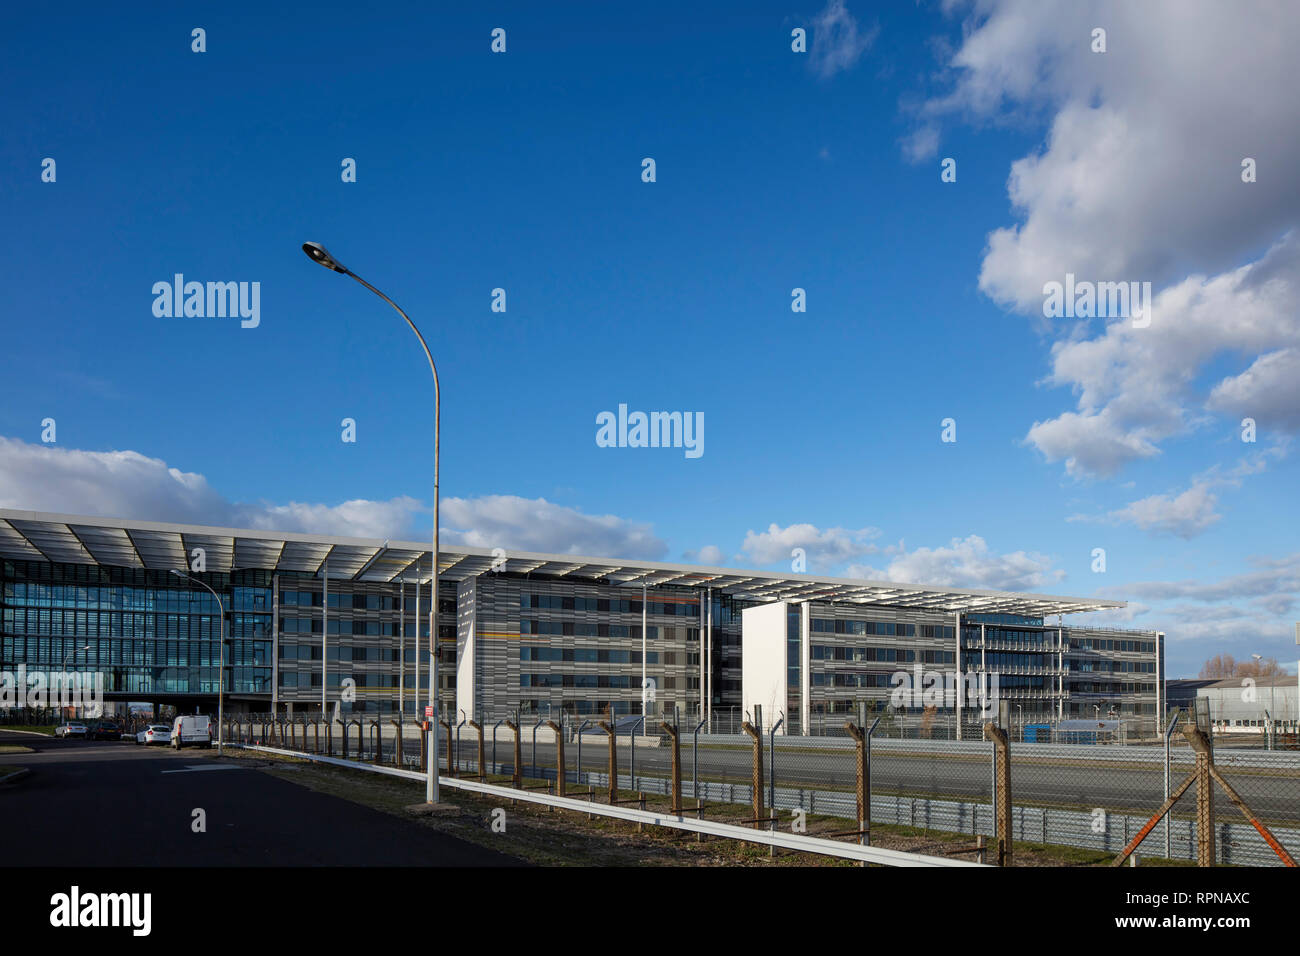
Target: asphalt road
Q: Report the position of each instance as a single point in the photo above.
(117, 804)
(1274, 797)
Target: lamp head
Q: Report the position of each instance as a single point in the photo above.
(318, 253)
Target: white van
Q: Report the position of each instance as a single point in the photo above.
(190, 729)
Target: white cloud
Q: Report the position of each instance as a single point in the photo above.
(1268, 391)
(966, 562)
(127, 484)
(837, 43)
(535, 524)
(710, 555)
(1268, 578)
(123, 483)
(822, 548)
(1190, 512)
(1128, 187)
(1185, 515)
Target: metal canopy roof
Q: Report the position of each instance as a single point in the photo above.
(79, 539)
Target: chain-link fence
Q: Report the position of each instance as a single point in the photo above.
(1090, 794)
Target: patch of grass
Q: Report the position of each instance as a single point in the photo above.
(46, 729)
(14, 749)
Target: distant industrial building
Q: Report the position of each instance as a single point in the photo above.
(1243, 705)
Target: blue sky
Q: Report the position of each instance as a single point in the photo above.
(775, 170)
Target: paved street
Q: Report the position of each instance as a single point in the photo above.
(117, 804)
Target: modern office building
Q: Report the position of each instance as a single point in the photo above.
(318, 621)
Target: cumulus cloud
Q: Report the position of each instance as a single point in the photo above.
(1268, 391)
(710, 554)
(1185, 515)
(127, 484)
(1192, 511)
(837, 42)
(1268, 578)
(1138, 386)
(822, 548)
(966, 562)
(535, 524)
(1127, 187)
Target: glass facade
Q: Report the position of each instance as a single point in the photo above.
(148, 632)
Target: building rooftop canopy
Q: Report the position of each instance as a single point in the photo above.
(80, 539)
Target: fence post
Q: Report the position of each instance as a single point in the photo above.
(514, 728)
(613, 762)
(1003, 809)
(860, 739)
(671, 731)
(379, 741)
(451, 758)
(559, 755)
(482, 770)
(344, 728)
(757, 736)
(397, 743)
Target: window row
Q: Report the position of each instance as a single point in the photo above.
(881, 628)
(591, 655)
(825, 652)
(560, 602)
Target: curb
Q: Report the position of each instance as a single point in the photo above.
(28, 733)
(15, 776)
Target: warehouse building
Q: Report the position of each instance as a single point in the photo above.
(343, 624)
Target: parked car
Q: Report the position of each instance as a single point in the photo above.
(73, 728)
(105, 730)
(191, 730)
(154, 734)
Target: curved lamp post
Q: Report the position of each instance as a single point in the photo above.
(318, 253)
(221, 672)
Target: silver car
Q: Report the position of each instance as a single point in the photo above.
(154, 734)
(73, 728)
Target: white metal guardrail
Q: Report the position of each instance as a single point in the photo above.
(778, 838)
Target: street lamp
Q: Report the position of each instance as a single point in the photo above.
(318, 253)
(221, 672)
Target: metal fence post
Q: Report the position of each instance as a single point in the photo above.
(671, 731)
(771, 776)
(494, 744)
(399, 753)
(451, 747)
(512, 726)
(757, 736)
(613, 761)
(560, 772)
(533, 762)
(695, 760)
(580, 730)
(1002, 804)
(631, 747)
(482, 770)
(866, 784)
(1169, 732)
